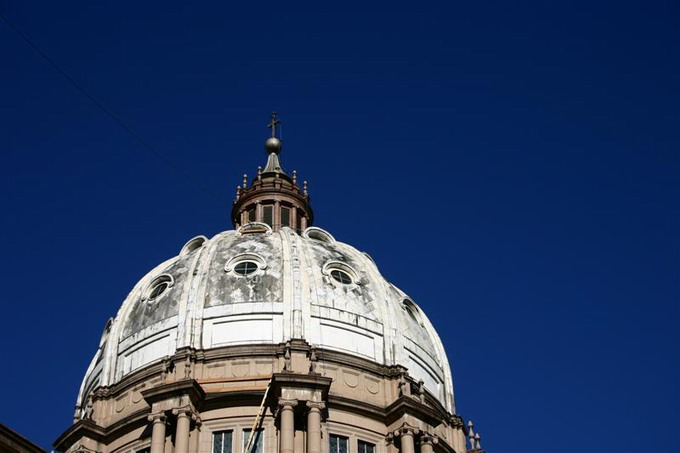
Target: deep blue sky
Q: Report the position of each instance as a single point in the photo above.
(512, 166)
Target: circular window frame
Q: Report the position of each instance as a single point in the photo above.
(242, 258)
(163, 279)
(342, 267)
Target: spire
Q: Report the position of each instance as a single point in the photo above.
(273, 197)
(273, 147)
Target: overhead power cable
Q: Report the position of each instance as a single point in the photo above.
(110, 114)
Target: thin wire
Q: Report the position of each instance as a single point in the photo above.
(110, 114)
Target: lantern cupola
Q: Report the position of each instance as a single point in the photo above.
(273, 197)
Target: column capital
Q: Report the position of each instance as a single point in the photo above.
(284, 403)
(457, 422)
(428, 439)
(316, 405)
(406, 429)
(158, 417)
(185, 411)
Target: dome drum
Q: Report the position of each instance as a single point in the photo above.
(223, 388)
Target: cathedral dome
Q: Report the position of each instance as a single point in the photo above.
(269, 337)
(253, 286)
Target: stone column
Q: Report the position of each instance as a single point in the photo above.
(287, 425)
(427, 442)
(314, 426)
(406, 434)
(157, 432)
(184, 415)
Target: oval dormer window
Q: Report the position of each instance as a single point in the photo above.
(341, 273)
(158, 287)
(245, 264)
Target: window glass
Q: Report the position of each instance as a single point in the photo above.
(245, 267)
(267, 214)
(338, 444)
(251, 214)
(258, 441)
(342, 277)
(285, 216)
(365, 447)
(158, 290)
(222, 442)
(298, 222)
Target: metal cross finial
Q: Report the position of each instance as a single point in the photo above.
(273, 124)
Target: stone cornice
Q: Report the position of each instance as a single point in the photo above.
(300, 380)
(238, 398)
(12, 439)
(80, 429)
(408, 405)
(357, 407)
(184, 387)
(88, 428)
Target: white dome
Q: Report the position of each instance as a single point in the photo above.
(198, 299)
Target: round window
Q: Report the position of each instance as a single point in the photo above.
(245, 267)
(158, 290)
(341, 276)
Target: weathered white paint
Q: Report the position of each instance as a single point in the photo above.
(291, 295)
